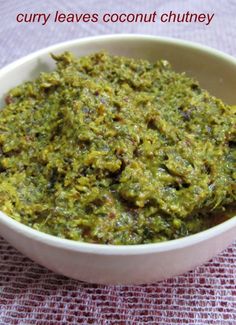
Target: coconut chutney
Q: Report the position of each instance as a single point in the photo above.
(114, 150)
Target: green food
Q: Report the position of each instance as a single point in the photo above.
(114, 150)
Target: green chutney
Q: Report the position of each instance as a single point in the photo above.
(113, 150)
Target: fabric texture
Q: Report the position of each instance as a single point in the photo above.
(29, 293)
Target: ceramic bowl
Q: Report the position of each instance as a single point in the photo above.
(135, 264)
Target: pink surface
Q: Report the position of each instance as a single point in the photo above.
(30, 294)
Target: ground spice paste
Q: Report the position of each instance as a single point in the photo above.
(108, 149)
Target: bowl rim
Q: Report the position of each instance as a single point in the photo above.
(105, 249)
(117, 37)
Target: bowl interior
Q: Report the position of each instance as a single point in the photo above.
(216, 72)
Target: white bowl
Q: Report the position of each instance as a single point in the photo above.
(135, 264)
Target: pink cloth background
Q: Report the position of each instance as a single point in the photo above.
(30, 294)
